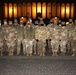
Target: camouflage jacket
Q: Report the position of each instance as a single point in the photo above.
(20, 32)
(41, 33)
(29, 32)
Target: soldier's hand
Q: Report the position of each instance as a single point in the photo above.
(15, 39)
(5, 39)
(33, 39)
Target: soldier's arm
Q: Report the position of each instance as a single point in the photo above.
(17, 33)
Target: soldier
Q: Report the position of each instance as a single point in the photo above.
(54, 39)
(49, 26)
(0, 22)
(16, 22)
(59, 22)
(10, 23)
(20, 36)
(41, 34)
(1, 40)
(70, 27)
(5, 32)
(11, 36)
(36, 22)
(36, 42)
(16, 25)
(41, 23)
(63, 38)
(75, 22)
(53, 29)
(73, 42)
(50, 23)
(59, 31)
(29, 32)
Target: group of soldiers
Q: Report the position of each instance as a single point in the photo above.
(33, 37)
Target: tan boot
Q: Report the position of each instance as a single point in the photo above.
(53, 54)
(56, 54)
(27, 54)
(1, 54)
(18, 53)
(38, 52)
(73, 54)
(35, 53)
(62, 54)
(10, 53)
(24, 53)
(30, 54)
(43, 54)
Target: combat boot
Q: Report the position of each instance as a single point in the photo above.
(40, 54)
(43, 54)
(27, 54)
(24, 53)
(35, 53)
(62, 54)
(10, 53)
(18, 53)
(73, 54)
(1, 53)
(53, 54)
(56, 54)
(30, 54)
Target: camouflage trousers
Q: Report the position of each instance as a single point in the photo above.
(15, 46)
(28, 47)
(68, 45)
(54, 45)
(19, 41)
(49, 45)
(1, 48)
(73, 44)
(63, 45)
(41, 48)
(35, 47)
(5, 48)
(10, 45)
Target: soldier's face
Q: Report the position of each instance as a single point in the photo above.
(10, 22)
(28, 23)
(15, 23)
(5, 23)
(21, 23)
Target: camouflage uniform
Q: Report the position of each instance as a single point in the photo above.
(73, 42)
(5, 32)
(54, 36)
(36, 22)
(41, 34)
(1, 41)
(70, 27)
(11, 35)
(36, 40)
(0, 22)
(49, 26)
(55, 40)
(29, 32)
(41, 23)
(63, 38)
(15, 26)
(20, 37)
